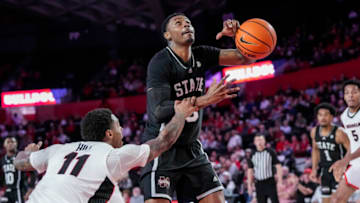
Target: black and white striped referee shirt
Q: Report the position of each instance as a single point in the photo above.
(263, 163)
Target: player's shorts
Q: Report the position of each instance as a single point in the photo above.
(328, 183)
(352, 177)
(190, 184)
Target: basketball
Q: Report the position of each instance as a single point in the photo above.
(256, 38)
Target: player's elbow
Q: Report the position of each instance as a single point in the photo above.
(160, 114)
(23, 164)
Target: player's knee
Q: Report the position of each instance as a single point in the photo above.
(216, 197)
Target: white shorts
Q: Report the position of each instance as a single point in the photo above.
(352, 176)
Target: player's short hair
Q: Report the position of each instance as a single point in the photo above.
(350, 82)
(95, 124)
(10, 137)
(166, 21)
(327, 106)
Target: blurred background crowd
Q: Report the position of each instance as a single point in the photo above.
(96, 71)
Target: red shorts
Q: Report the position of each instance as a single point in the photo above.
(352, 177)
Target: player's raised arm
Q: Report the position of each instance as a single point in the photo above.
(129, 156)
(217, 92)
(231, 56)
(22, 160)
(172, 130)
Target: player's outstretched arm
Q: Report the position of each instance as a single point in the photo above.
(231, 56)
(217, 92)
(22, 160)
(172, 130)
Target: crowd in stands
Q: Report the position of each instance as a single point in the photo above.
(227, 135)
(118, 78)
(305, 48)
(122, 76)
(229, 127)
(309, 47)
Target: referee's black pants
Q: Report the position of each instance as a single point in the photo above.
(266, 189)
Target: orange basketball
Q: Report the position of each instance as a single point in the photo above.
(255, 38)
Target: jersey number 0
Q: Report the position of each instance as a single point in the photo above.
(78, 166)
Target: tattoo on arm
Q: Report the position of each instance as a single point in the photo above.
(22, 161)
(232, 57)
(167, 137)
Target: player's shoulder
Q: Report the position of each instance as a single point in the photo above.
(90, 144)
(158, 63)
(131, 148)
(340, 130)
(55, 147)
(82, 145)
(344, 114)
(161, 56)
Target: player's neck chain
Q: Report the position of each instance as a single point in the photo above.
(179, 62)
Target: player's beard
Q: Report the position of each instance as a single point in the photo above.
(190, 41)
(324, 125)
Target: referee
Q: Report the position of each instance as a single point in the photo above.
(261, 171)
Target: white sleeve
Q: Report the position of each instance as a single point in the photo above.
(121, 160)
(39, 159)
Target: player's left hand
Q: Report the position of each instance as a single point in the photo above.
(229, 28)
(219, 91)
(338, 169)
(33, 147)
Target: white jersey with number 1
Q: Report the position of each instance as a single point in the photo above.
(351, 124)
(84, 171)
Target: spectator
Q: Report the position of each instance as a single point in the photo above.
(306, 188)
(136, 197)
(235, 141)
(282, 144)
